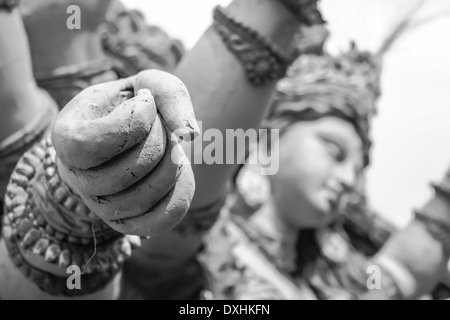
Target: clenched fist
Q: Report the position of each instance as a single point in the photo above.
(117, 145)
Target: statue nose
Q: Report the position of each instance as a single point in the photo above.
(346, 175)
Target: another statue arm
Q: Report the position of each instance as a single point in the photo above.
(18, 90)
(222, 96)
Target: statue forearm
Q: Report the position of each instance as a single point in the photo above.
(219, 85)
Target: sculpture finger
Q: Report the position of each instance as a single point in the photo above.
(144, 194)
(167, 213)
(84, 137)
(123, 171)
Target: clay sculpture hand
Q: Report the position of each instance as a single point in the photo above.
(117, 147)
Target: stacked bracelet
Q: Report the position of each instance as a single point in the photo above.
(261, 60)
(8, 4)
(48, 228)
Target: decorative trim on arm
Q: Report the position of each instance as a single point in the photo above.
(261, 60)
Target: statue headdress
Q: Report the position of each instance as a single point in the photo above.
(346, 85)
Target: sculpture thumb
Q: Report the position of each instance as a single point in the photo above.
(172, 101)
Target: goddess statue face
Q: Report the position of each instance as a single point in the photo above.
(319, 161)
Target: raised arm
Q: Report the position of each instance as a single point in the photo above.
(217, 70)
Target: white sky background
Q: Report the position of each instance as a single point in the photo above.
(412, 130)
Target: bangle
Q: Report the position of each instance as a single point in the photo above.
(47, 228)
(8, 5)
(65, 82)
(439, 230)
(304, 10)
(261, 60)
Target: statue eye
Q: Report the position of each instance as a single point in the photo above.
(334, 149)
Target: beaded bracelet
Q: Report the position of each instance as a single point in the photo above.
(8, 5)
(48, 228)
(261, 60)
